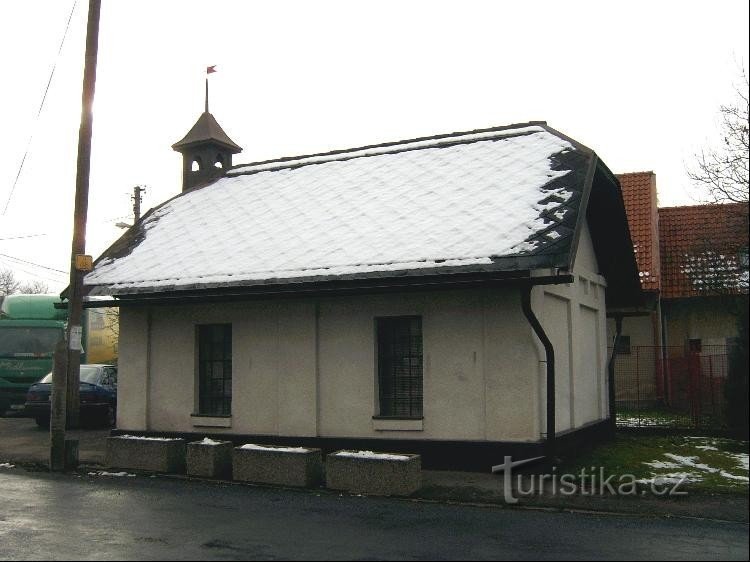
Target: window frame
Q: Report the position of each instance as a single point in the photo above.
(624, 345)
(387, 407)
(210, 402)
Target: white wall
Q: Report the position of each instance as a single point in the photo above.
(574, 317)
(480, 362)
(307, 367)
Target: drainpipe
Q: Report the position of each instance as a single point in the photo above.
(611, 368)
(549, 445)
(149, 321)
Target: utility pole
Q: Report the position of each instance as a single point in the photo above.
(57, 454)
(138, 191)
(80, 263)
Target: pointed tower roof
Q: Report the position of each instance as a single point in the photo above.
(207, 129)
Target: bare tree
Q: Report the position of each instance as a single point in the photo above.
(34, 288)
(8, 282)
(722, 171)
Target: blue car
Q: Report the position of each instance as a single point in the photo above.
(98, 393)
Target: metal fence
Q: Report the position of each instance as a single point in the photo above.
(671, 387)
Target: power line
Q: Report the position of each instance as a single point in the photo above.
(41, 106)
(34, 264)
(21, 237)
(14, 267)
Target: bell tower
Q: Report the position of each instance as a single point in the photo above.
(206, 151)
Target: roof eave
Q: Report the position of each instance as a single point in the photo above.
(434, 278)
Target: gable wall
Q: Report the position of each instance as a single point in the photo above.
(574, 317)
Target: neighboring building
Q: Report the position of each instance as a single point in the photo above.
(704, 265)
(383, 297)
(692, 263)
(641, 329)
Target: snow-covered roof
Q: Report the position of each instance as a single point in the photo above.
(498, 199)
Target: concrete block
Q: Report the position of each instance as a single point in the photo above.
(209, 459)
(284, 466)
(377, 474)
(146, 453)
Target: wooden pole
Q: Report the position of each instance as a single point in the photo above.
(137, 197)
(57, 409)
(75, 308)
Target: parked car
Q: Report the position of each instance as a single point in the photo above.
(98, 393)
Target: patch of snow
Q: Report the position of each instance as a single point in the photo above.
(734, 476)
(373, 455)
(112, 474)
(661, 464)
(707, 448)
(7, 465)
(672, 478)
(139, 438)
(646, 421)
(253, 447)
(207, 441)
(743, 460)
(691, 462)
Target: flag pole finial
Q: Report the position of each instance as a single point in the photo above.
(209, 70)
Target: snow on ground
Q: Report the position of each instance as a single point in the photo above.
(671, 478)
(645, 421)
(742, 459)
(662, 464)
(207, 441)
(112, 474)
(140, 438)
(372, 455)
(7, 465)
(698, 469)
(253, 447)
(692, 462)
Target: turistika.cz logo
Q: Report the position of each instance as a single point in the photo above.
(587, 482)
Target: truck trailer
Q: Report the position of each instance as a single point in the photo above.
(30, 327)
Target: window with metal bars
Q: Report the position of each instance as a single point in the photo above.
(215, 369)
(400, 366)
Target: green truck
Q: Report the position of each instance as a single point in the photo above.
(30, 326)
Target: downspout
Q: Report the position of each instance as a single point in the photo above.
(611, 378)
(149, 320)
(549, 350)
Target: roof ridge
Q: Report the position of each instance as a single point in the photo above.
(651, 172)
(703, 205)
(443, 139)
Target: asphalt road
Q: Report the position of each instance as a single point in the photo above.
(51, 517)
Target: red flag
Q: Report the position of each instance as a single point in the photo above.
(210, 69)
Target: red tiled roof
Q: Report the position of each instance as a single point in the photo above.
(699, 249)
(639, 194)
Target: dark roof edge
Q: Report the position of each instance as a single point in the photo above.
(581, 218)
(328, 288)
(580, 146)
(234, 148)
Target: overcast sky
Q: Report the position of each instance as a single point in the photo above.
(638, 82)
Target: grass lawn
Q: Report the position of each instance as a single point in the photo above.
(707, 464)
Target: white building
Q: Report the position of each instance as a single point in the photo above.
(374, 297)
